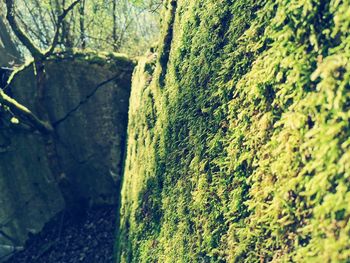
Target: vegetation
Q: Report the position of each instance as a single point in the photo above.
(238, 140)
(239, 136)
(109, 25)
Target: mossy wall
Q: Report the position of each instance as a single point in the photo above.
(238, 138)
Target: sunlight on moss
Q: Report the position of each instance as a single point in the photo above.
(243, 155)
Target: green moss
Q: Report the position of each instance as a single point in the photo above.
(244, 154)
(94, 57)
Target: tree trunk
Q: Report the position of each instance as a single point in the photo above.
(114, 35)
(82, 24)
(66, 34)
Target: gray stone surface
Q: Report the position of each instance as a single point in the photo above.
(87, 100)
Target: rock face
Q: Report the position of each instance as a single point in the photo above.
(28, 194)
(238, 143)
(87, 100)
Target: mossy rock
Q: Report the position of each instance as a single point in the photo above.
(87, 101)
(238, 150)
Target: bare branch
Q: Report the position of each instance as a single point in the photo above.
(60, 19)
(31, 12)
(10, 16)
(25, 113)
(42, 39)
(35, 51)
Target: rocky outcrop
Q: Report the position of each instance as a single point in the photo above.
(87, 101)
(238, 142)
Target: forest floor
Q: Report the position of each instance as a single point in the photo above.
(66, 240)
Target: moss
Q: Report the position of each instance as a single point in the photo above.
(94, 57)
(243, 155)
(167, 39)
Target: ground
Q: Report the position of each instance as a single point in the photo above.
(65, 239)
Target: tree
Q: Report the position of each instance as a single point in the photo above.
(111, 25)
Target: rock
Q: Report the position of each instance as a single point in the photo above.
(87, 102)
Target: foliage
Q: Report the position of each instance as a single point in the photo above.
(244, 154)
(92, 22)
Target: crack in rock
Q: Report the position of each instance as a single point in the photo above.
(86, 99)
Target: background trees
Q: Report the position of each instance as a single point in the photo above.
(127, 26)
